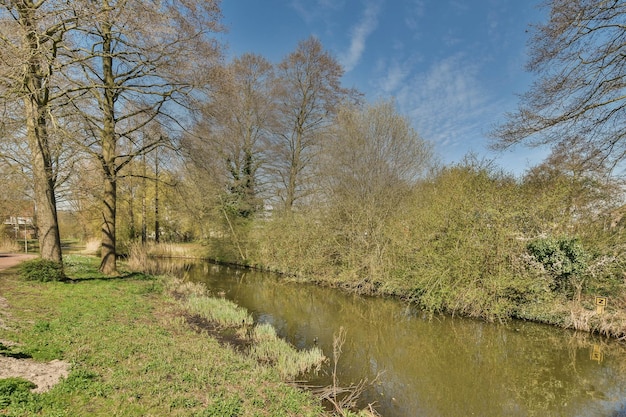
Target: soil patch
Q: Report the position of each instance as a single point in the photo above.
(44, 375)
(8, 260)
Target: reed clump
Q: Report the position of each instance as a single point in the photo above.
(221, 311)
(157, 258)
(9, 245)
(183, 289)
(289, 362)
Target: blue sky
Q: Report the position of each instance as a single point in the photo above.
(454, 67)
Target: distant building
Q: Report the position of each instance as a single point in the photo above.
(21, 225)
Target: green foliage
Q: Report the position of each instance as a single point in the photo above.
(456, 241)
(301, 243)
(564, 259)
(454, 245)
(15, 391)
(42, 270)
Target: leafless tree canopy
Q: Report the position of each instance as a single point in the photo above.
(308, 94)
(578, 102)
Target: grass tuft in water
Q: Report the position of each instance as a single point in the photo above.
(269, 348)
(219, 310)
(181, 289)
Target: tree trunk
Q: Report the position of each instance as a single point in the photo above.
(45, 199)
(144, 225)
(108, 263)
(36, 106)
(157, 232)
(294, 168)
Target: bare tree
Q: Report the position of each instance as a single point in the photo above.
(372, 153)
(308, 93)
(564, 196)
(371, 160)
(578, 103)
(136, 65)
(231, 136)
(30, 34)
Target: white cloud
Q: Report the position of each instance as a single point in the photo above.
(311, 11)
(359, 34)
(448, 105)
(395, 72)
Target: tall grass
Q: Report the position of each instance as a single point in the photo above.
(218, 310)
(269, 348)
(163, 250)
(151, 258)
(182, 289)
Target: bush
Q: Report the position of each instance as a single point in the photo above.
(564, 259)
(42, 270)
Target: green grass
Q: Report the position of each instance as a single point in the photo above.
(131, 353)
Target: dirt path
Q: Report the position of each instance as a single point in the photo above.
(44, 375)
(7, 260)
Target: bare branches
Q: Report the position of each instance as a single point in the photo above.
(579, 56)
(308, 93)
(344, 399)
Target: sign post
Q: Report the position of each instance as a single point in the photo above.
(600, 304)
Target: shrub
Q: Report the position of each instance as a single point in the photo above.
(42, 270)
(564, 259)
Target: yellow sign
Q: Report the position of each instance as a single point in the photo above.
(596, 354)
(600, 304)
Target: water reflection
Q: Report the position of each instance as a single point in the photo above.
(437, 367)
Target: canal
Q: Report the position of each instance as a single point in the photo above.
(434, 366)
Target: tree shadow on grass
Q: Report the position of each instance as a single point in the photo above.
(7, 352)
(128, 276)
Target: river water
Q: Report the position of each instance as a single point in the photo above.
(435, 366)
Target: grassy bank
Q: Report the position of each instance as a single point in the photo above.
(132, 352)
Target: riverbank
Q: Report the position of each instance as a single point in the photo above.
(580, 315)
(507, 300)
(132, 353)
